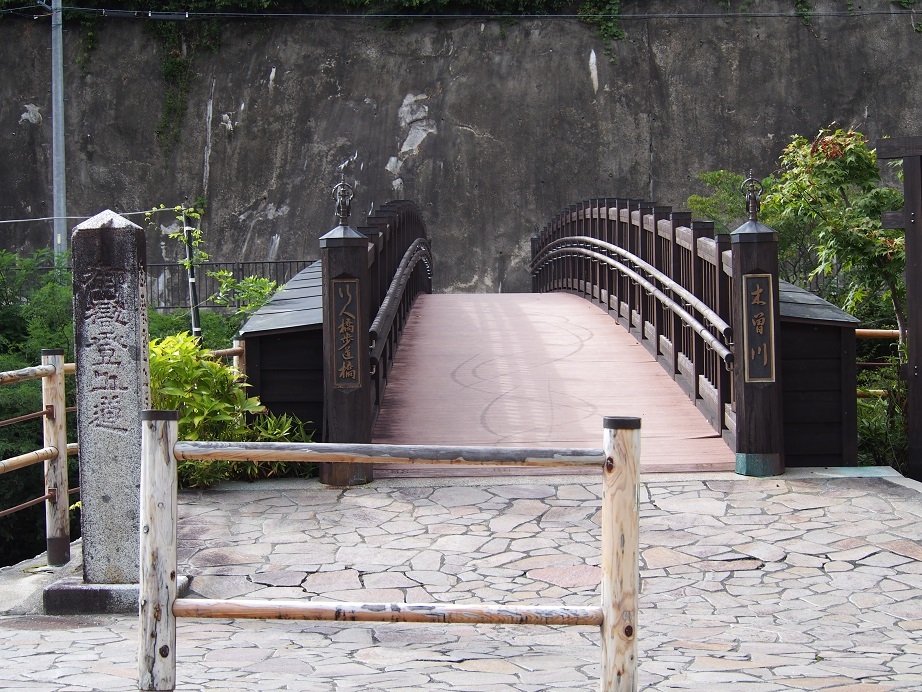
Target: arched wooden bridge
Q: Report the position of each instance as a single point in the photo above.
(636, 311)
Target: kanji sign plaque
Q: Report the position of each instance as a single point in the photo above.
(759, 331)
(347, 372)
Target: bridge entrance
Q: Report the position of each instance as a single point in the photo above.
(537, 369)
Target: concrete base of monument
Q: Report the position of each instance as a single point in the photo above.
(71, 596)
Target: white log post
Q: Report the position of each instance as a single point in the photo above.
(57, 509)
(240, 360)
(157, 645)
(620, 554)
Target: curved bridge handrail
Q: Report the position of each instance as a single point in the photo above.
(712, 317)
(725, 354)
(660, 274)
(419, 251)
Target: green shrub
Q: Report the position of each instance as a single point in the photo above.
(883, 434)
(218, 331)
(213, 406)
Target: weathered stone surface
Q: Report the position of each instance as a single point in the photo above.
(531, 115)
(793, 623)
(113, 386)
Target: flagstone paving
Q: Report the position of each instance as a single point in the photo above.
(804, 582)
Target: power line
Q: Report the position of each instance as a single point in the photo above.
(642, 16)
(84, 218)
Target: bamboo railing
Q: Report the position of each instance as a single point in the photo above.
(54, 453)
(159, 606)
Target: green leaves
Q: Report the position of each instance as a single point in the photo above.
(245, 296)
(213, 405)
(831, 187)
(826, 201)
(726, 205)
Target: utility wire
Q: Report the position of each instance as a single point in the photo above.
(184, 15)
(84, 218)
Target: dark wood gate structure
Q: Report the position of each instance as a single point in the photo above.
(910, 220)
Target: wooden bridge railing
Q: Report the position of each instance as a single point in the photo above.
(53, 454)
(371, 277)
(400, 268)
(665, 277)
(159, 607)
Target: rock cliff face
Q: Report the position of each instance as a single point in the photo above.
(491, 128)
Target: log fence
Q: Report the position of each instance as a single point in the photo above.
(54, 453)
(159, 607)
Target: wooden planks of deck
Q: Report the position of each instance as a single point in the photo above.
(533, 370)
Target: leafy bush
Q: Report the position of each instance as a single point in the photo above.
(883, 435)
(218, 330)
(36, 309)
(213, 406)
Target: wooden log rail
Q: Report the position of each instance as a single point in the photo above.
(159, 607)
(238, 353)
(53, 454)
(664, 277)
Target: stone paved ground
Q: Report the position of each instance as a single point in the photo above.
(803, 582)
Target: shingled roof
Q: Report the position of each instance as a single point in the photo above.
(296, 306)
(799, 304)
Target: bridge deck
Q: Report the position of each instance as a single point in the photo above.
(534, 370)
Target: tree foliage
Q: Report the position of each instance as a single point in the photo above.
(35, 313)
(831, 188)
(825, 200)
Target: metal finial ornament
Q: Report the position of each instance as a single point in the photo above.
(753, 190)
(343, 194)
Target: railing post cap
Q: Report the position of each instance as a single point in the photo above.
(343, 236)
(620, 423)
(52, 351)
(753, 232)
(153, 414)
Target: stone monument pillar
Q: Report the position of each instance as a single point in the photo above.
(113, 386)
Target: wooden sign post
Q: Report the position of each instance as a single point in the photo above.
(346, 361)
(756, 317)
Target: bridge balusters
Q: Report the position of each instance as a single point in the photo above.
(674, 325)
(627, 243)
(659, 249)
(697, 352)
(645, 246)
(682, 251)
